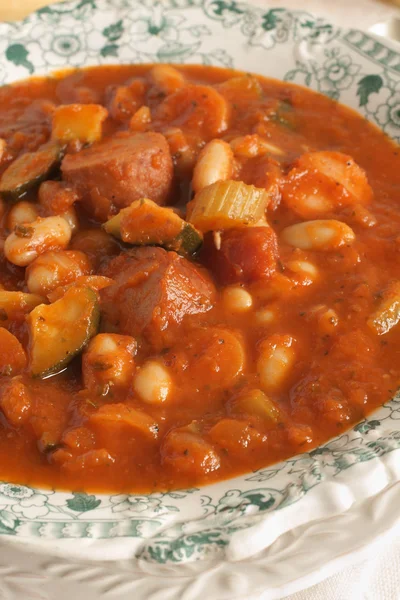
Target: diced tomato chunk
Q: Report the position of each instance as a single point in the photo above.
(48, 416)
(15, 402)
(238, 438)
(124, 100)
(12, 356)
(264, 172)
(79, 438)
(246, 254)
(57, 197)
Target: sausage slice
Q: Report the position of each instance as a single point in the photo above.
(123, 169)
(154, 290)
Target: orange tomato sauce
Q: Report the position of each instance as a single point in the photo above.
(58, 432)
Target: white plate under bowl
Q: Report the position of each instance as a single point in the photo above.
(275, 530)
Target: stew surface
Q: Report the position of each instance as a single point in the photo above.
(200, 275)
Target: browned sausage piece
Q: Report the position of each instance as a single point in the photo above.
(123, 169)
(153, 292)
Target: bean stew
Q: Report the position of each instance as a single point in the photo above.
(199, 275)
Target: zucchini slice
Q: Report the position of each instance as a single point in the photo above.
(59, 331)
(145, 223)
(29, 170)
(257, 404)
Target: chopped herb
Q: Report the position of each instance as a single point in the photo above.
(282, 114)
(23, 231)
(280, 265)
(92, 403)
(98, 365)
(47, 447)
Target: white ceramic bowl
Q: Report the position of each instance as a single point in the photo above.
(278, 529)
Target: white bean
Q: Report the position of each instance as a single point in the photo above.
(109, 361)
(362, 216)
(318, 235)
(167, 78)
(153, 383)
(72, 218)
(52, 269)
(28, 241)
(265, 316)
(22, 212)
(276, 359)
(236, 299)
(215, 163)
(306, 272)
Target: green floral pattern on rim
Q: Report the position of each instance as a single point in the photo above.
(349, 66)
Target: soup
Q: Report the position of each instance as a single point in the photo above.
(199, 274)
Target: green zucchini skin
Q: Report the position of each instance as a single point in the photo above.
(58, 332)
(29, 170)
(130, 227)
(187, 242)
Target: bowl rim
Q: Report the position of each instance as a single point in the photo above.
(379, 431)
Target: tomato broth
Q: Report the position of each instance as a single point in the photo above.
(199, 274)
